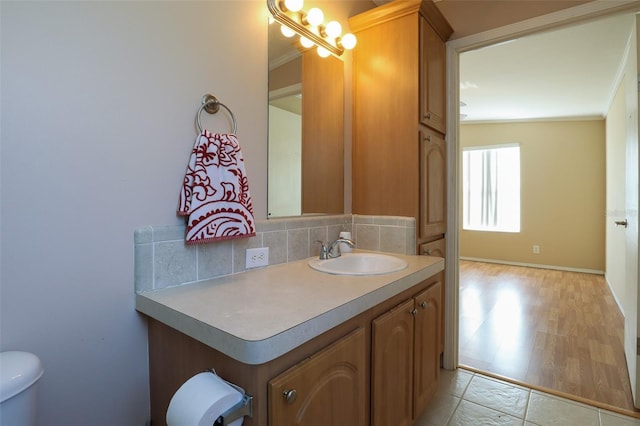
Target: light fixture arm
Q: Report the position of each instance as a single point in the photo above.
(282, 18)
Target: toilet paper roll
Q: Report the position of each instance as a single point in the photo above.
(201, 400)
(344, 248)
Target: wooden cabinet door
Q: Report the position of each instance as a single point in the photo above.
(433, 179)
(327, 389)
(432, 78)
(427, 347)
(392, 367)
(438, 248)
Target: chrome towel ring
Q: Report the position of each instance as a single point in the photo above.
(212, 105)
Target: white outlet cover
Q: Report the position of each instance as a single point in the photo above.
(257, 257)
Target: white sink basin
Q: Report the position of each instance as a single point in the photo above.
(359, 264)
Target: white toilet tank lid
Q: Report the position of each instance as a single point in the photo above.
(18, 371)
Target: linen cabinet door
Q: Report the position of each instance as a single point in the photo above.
(432, 78)
(427, 347)
(392, 367)
(328, 388)
(433, 181)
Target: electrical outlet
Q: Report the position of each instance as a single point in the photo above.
(536, 249)
(257, 257)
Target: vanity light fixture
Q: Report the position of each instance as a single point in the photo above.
(310, 27)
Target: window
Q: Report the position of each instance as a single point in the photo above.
(491, 186)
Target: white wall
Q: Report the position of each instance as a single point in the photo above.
(285, 163)
(98, 105)
(616, 124)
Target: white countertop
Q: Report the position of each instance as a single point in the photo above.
(258, 315)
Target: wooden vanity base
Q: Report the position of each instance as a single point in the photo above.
(175, 357)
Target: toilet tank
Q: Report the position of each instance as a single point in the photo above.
(19, 375)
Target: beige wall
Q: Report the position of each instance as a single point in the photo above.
(562, 194)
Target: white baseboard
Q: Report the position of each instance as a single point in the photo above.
(534, 265)
(614, 295)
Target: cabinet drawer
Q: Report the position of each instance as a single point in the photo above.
(434, 248)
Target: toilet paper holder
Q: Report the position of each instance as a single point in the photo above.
(243, 408)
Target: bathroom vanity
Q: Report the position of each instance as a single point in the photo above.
(310, 347)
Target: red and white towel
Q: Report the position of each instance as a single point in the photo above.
(215, 193)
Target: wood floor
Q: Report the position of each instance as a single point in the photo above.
(550, 329)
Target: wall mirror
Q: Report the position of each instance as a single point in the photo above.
(306, 130)
(306, 119)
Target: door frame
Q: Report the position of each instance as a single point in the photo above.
(579, 14)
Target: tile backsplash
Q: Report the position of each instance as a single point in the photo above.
(162, 259)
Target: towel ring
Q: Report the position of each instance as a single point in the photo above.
(212, 105)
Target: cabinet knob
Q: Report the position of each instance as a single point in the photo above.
(428, 138)
(413, 312)
(290, 395)
(423, 305)
(428, 115)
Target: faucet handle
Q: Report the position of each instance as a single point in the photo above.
(324, 249)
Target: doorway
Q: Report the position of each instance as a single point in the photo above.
(455, 48)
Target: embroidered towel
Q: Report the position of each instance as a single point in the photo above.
(215, 193)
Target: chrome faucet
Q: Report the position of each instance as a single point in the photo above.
(328, 251)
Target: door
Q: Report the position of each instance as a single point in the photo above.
(327, 389)
(433, 180)
(432, 78)
(392, 366)
(631, 340)
(426, 361)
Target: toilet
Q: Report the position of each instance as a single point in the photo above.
(19, 375)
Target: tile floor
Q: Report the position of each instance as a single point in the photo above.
(465, 398)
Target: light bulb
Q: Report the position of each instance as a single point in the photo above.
(306, 42)
(333, 29)
(293, 5)
(322, 52)
(315, 16)
(348, 41)
(286, 31)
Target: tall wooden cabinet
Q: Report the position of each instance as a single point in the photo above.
(399, 121)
